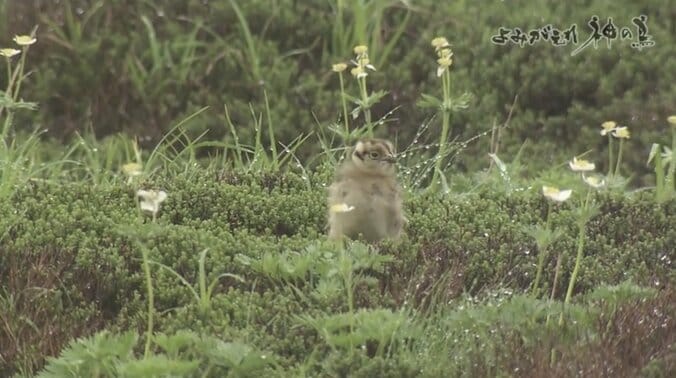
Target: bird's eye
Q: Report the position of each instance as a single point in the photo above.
(374, 155)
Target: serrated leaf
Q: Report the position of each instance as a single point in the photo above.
(429, 101)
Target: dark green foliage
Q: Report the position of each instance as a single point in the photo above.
(71, 265)
(482, 236)
(143, 66)
(512, 335)
(244, 283)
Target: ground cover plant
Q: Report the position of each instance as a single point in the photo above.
(163, 174)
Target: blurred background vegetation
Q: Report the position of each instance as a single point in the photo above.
(140, 67)
(104, 72)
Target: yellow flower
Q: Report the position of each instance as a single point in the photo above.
(339, 67)
(445, 52)
(132, 169)
(555, 194)
(621, 132)
(358, 72)
(445, 62)
(151, 200)
(608, 126)
(594, 181)
(24, 40)
(9, 52)
(581, 165)
(360, 49)
(341, 208)
(672, 120)
(439, 42)
(364, 62)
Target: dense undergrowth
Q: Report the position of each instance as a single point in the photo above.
(198, 247)
(455, 290)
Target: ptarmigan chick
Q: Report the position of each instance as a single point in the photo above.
(365, 200)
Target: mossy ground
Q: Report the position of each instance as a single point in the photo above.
(452, 295)
(233, 276)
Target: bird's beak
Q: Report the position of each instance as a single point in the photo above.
(389, 159)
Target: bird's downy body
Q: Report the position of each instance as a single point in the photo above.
(367, 187)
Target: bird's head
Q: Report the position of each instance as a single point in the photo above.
(374, 156)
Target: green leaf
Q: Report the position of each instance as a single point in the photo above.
(158, 366)
(429, 101)
(461, 102)
(654, 149)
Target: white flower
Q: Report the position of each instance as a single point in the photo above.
(621, 132)
(360, 49)
(24, 40)
(339, 67)
(555, 194)
(358, 72)
(607, 127)
(581, 165)
(594, 181)
(440, 43)
(151, 200)
(132, 169)
(672, 120)
(341, 208)
(8, 53)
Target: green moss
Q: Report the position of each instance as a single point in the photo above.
(81, 245)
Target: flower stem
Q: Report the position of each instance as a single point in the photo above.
(555, 283)
(610, 155)
(580, 249)
(342, 98)
(542, 254)
(446, 116)
(619, 157)
(671, 175)
(366, 107)
(9, 91)
(20, 77)
(9, 76)
(151, 302)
